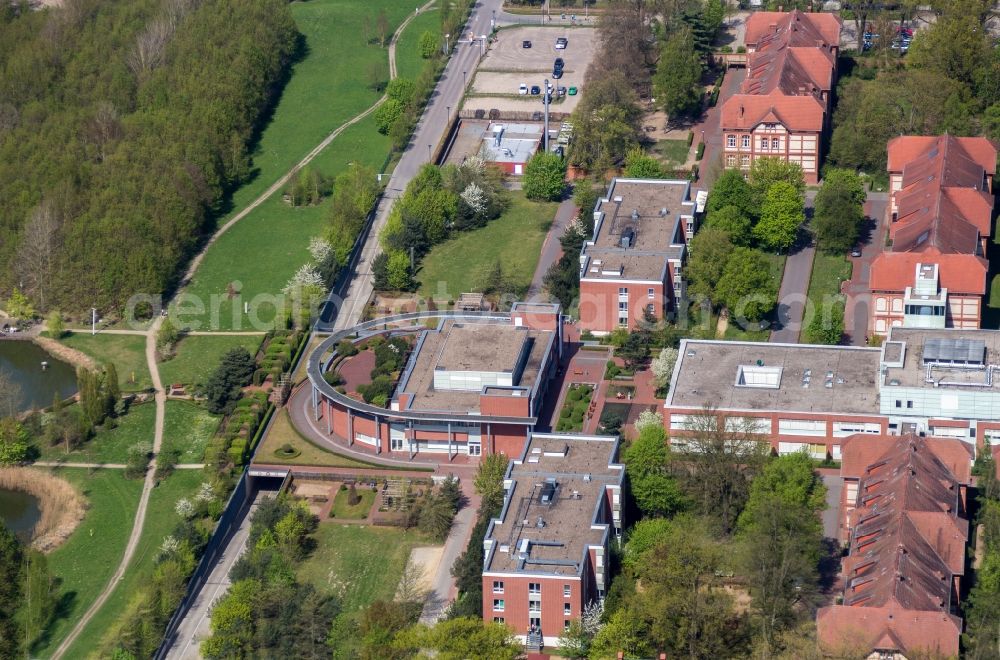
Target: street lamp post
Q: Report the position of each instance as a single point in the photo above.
(428, 153)
(464, 83)
(93, 321)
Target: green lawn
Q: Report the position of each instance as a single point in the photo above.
(264, 250)
(515, 238)
(88, 558)
(326, 89)
(673, 152)
(357, 563)
(197, 357)
(409, 64)
(828, 271)
(111, 445)
(188, 427)
(160, 522)
(341, 509)
(282, 432)
(128, 352)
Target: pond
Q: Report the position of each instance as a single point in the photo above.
(19, 511)
(37, 387)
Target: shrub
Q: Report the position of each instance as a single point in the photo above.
(611, 370)
(333, 378)
(700, 151)
(690, 138)
(428, 44)
(346, 348)
(387, 114)
(353, 499)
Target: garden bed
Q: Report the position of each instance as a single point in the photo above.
(575, 407)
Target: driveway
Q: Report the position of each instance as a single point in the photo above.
(708, 127)
(857, 311)
(795, 287)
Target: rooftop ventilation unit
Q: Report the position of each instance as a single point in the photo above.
(540, 523)
(628, 238)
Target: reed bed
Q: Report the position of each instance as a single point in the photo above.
(62, 507)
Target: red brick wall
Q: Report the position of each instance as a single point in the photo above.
(599, 303)
(515, 597)
(505, 406)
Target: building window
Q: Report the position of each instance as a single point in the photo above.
(623, 307)
(566, 625)
(498, 586)
(763, 144)
(567, 609)
(476, 449)
(899, 404)
(534, 587)
(730, 161)
(650, 293)
(731, 141)
(567, 590)
(622, 321)
(623, 291)
(498, 604)
(775, 144)
(498, 619)
(396, 444)
(746, 141)
(909, 404)
(745, 161)
(649, 309)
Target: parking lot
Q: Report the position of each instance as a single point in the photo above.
(508, 64)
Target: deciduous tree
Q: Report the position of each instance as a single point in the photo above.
(745, 286)
(780, 216)
(545, 177)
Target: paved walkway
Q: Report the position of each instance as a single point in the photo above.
(138, 522)
(109, 466)
(552, 248)
(443, 588)
(859, 300)
(795, 286)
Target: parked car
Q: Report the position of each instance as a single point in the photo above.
(560, 90)
(559, 63)
(561, 43)
(525, 44)
(535, 90)
(856, 251)
(572, 91)
(557, 73)
(523, 89)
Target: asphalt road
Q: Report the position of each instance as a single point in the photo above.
(194, 627)
(444, 103)
(794, 287)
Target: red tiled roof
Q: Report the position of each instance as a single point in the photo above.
(906, 148)
(905, 550)
(788, 73)
(959, 273)
(807, 27)
(841, 627)
(927, 215)
(796, 113)
(862, 449)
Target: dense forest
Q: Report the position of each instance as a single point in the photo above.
(123, 123)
